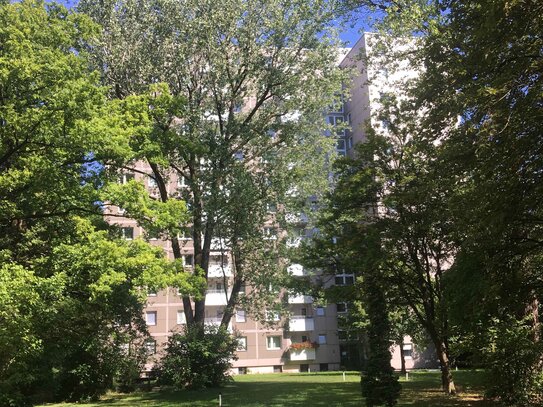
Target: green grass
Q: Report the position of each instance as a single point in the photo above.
(305, 389)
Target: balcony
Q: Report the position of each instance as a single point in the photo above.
(302, 354)
(301, 324)
(300, 299)
(217, 322)
(212, 321)
(216, 297)
(296, 218)
(218, 245)
(296, 270)
(218, 271)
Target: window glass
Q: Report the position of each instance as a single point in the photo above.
(150, 317)
(274, 342)
(181, 318)
(150, 346)
(127, 233)
(242, 343)
(240, 315)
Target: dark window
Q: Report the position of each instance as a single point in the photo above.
(304, 368)
(127, 233)
(242, 370)
(323, 367)
(278, 369)
(150, 346)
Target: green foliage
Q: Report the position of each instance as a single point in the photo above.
(237, 112)
(478, 100)
(71, 294)
(379, 383)
(199, 357)
(513, 356)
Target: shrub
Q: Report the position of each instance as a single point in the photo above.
(199, 357)
(515, 363)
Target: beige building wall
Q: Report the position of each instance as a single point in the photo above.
(308, 321)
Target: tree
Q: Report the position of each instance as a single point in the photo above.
(71, 291)
(494, 158)
(479, 99)
(391, 190)
(245, 85)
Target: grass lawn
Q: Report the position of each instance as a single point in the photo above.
(305, 389)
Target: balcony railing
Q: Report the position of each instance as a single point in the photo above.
(301, 324)
(218, 271)
(302, 354)
(296, 270)
(300, 299)
(216, 297)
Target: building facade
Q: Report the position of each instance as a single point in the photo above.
(311, 338)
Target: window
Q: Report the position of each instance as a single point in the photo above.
(337, 121)
(240, 315)
(150, 317)
(342, 335)
(349, 143)
(270, 233)
(181, 318)
(407, 350)
(341, 307)
(385, 124)
(340, 144)
(344, 279)
(186, 234)
(273, 342)
(153, 235)
(322, 339)
(320, 311)
(127, 233)
(150, 346)
(242, 370)
(219, 260)
(237, 107)
(305, 338)
(304, 312)
(242, 343)
(278, 369)
(238, 155)
(271, 207)
(126, 178)
(304, 368)
(188, 260)
(181, 182)
(151, 182)
(272, 316)
(323, 367)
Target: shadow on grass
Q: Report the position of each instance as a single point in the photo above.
(313, 389)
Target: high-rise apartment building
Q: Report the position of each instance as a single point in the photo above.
(309, 339)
